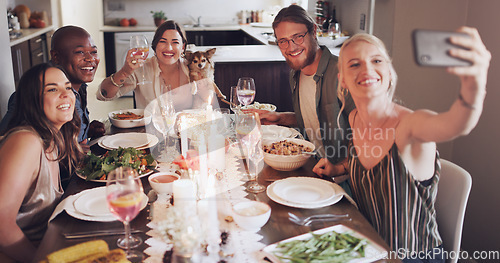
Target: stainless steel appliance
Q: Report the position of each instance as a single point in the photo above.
(122, 45)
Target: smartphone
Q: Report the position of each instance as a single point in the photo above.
(431, 48)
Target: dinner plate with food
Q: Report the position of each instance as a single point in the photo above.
(130, 118)
(260, 106)
(95, 168)
(337, 243)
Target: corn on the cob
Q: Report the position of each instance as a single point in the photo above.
(78, 251)
(113, 256)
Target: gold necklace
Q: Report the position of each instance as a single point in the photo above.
(164, 77)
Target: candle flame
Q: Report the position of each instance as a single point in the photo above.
(210, 97)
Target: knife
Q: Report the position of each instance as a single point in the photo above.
(97, 233)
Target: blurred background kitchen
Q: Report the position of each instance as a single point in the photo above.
(391, 20)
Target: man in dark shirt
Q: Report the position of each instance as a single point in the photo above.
(74, 50)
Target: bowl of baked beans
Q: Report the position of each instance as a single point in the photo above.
(130, 118)
(287, 154)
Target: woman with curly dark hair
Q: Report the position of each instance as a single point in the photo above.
(42, 134)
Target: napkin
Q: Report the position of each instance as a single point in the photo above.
(68, 204)
(63, 205)
(341, 191)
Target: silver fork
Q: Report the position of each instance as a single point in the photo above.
(331, 219)
(304, 220)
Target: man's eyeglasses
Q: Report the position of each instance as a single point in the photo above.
(296, 39)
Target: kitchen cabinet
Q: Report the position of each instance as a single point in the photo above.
(38, 49)
(27, 54)
(21, 60)
(220, 38)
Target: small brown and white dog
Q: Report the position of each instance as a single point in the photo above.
(201, 66)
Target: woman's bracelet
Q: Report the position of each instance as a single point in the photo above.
(465, 103)
(113, 81)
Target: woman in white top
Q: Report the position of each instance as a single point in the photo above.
(166, 71)
(42, 135)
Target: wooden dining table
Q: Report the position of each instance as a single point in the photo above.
(278, 228)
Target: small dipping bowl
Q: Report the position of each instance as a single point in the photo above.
(251, 215)
(162, 182)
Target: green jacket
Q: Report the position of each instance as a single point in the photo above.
(328, 106)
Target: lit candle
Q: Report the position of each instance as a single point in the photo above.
(184, 193)
(209, 113)
(202, 151)
(207, 209)
(184, 140)
(217, 152)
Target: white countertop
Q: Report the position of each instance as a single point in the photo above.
(244, 53)
(247, 53)
(30, 33)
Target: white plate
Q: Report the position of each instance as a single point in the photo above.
(72, 211)
(275, 131)
(138, 140)
(271, 193)
(303, 190)
(93, 203)
(125, 140)
(373, 251)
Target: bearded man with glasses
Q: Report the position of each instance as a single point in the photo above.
(313, 80)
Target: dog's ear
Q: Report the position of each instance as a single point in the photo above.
(209, 53)
(189, 56)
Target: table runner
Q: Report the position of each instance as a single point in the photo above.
(242, 244)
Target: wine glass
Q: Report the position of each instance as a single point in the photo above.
(234, 102)
(140, 43)
(164, 116)
(246, 90)
(223, 119)
(124, 196)
(249, 133)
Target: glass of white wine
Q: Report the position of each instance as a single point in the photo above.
(140, 44)
(246, 90)
(249, 134)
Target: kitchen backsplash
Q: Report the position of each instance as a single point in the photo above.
(185, 11)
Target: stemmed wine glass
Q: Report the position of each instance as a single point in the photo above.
(256, 156)
(140, 43)
(164, 116)
(234, 101)
(249, 133)
(246, 90)
(124, 196)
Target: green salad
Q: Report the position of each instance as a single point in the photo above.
(97, 167)
(329, 247)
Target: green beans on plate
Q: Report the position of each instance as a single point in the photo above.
(329, 247)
